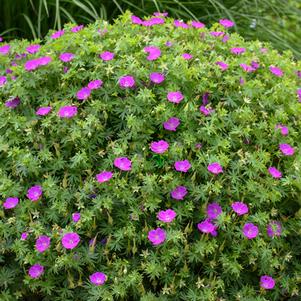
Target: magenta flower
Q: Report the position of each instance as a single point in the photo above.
(104, 176)
(34, 48)
(127, 81)
(215, 168)
(36, 271)
(76, 216)
(205, 98)
(10, 203)
(286, 149)
(275, 173)
(187, 56)
(67, 111)
(153, 21)
(238, 50)
(156, 78)
(213, 210)
(3, 80)
(182, 166)
(24, 236)
(171, 124)
(196, 24)
(5, 49)
(217, 33)
(123, 163)
(179, 193)
(226, 23)
(153, 52)
(167, 216)
(43, 111)
(35, 63)
(206, 111)
(83, 93)
(255, 65)
(1, 39)
(107, 56)
(34, 193)
(274, 229)
(77, 28)
(42, 243)
(95, 84)
(267, 282)
(98, 278)
(276, 71)
(44, 60)
(250, 231)
(283, 129)
(175, 97)
(222, 65)
(57, 34)
(263, 50)
(136, 20)
(157, 236)
(240, 208)
(179, 23)
(67, 57)
(299, 94)
(206, 226)
(159, 147)
(13, 103)
(225, 38)
(247, 68)
(70, 240)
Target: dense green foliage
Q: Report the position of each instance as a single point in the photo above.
(64, 155)
(277, 21)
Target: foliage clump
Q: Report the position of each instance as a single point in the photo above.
(149, 160)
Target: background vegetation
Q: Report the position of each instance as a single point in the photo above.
(277, 21)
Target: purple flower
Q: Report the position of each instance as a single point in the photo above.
(13, 103)
(153, 52)
(77, 28)
(182, 166)
(83, 93)
(275, 173)
(240, 208)
(167, 216)
(179, 193)
(283, 129)
(238, 50)
(286, 149)
(127, 81)
(43, 111)
(98, 278)
(267, 282)
(250, 231)
(5, 49)
(226, 23)
(24, 236)
(215, 168)
(171, 124)
(156, 77)
(42, 243)
(57, 34)
(222, 65)
(217, 33)
(10, 203)
(107, 56)
(157, 236)
(274, 229)
(123, 163)
(34, 48)
(95, 84)
(159, 147)
(76, 216)
(247, 68)
(158, 14)
(196, 24)
(70, 240)
(213, 210)
(168, 43)
(299, 94)
(205, 111)
(34, 193)
(67, 111)
(36, 271)
(175, 97)
(241, 81)
(187, 56)
(66, 57)
(104, 176)
(179, 23)
(206, 226)
(276, 71)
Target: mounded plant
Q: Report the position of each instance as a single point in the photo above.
(149, 160)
